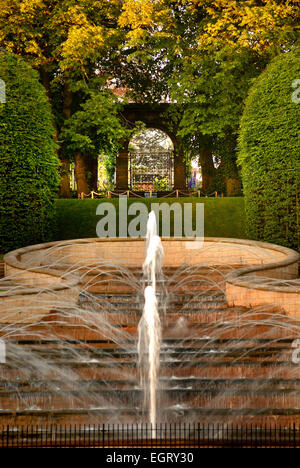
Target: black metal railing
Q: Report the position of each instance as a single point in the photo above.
(146, 436)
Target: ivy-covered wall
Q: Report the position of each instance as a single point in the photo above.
(269, 153)
(28, 161)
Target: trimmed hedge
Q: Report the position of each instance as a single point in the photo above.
(28, 162)
(224, 217)
(269, 153)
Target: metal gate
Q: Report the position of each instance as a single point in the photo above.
(146, 167)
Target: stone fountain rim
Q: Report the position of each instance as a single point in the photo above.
(13, 259)
(21, 289)
(24, 290)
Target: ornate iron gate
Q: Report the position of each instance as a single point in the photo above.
(146, 167)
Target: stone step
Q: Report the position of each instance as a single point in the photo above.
(174, 306)
(95, 370)
(177, 366)
(171, 297)
(168, 383)
(124, 333)
(134, 398)
(262, 417)
(179, 342)
(194, 357)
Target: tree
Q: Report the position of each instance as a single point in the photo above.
(67, 43)
(93, 129)
(28, 161)
(269, 153)
(202, 55)
(212, 52)
(255, 24)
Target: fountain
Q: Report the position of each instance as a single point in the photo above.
(149, 327)
(90, 338)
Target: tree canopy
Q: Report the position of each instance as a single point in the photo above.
(200, 54)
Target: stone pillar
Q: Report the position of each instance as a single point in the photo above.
(179, 169)
(122, 170)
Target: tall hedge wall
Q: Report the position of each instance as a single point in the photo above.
(28, 161)
(269, 153)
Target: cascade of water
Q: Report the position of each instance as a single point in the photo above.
(149, 328)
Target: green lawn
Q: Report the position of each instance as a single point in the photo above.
(224, 217)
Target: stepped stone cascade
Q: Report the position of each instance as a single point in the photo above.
(218, 364)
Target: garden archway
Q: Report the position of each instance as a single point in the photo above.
(153, 116)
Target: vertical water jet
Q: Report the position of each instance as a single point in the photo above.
(149, 327)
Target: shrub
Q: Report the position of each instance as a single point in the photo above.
(28, 161)
(160, 185)
(269, 153)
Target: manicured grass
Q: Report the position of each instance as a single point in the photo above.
(224, 217)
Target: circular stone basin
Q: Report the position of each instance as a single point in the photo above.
(261, 273)
(27, 297)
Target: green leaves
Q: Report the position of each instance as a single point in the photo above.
(28, 161)
(269, 154)
(95, 127)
